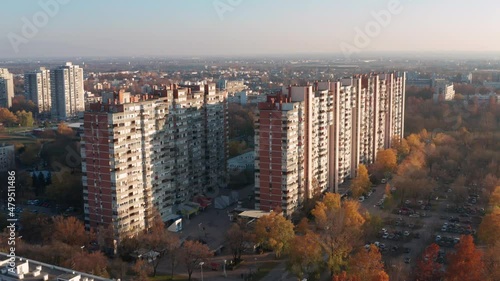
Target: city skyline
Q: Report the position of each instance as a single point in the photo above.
(232, 28)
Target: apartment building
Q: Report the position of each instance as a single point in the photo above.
(68, 96)
(38, 89)
(443, 91)
(6, 88)
(309, 139)
(149, 152)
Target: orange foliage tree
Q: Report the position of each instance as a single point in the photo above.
(361, 183)
(93, 263)
(489, 228)
(386, 162)
(367, 264)
(275, 232)
(305, 257)
(428, 269)
(192, 253)
(339, 226)
(70, 231)
(466, 263)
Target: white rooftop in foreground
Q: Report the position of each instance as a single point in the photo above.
(253, 214)
(30, 270)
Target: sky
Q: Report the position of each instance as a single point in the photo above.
(57, 28)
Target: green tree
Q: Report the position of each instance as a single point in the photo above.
(25, 119)
(66, 189)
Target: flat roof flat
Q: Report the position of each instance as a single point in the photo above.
(254, 214)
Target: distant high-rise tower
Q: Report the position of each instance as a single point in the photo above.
(68, 96)
(6, 87)
(309, 139)
(38, 89)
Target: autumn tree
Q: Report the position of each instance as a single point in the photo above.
(386, 162)
(70, 231)
(20, 103)
(305, 257)
(366, 264)
(158, 239)
(274, 232)
(237, 237)
(495, 198)
(344, 277)
(37, 228)
(303, 226)
(142, 270)
(8, 118)
(401, 146)
(192, 253)
(489, 228)
(94, 263)
(466, 263)
(428, 269)
(64, 130)
(380, 276)
(361, 183)
(492, 262)
(339, 226)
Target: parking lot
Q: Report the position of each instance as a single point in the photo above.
(411, 226)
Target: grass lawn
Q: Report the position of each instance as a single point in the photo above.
(167, 278)
(265, 268)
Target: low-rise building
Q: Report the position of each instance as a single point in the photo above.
(14, 268)
(242, 162)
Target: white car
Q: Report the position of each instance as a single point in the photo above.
(406, 233)
(361, 199)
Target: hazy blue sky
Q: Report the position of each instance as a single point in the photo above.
(189, 27)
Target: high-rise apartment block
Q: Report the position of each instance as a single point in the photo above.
(68, 96)
(38, 89)
(309, 139)
(152, 152)
(6, 88)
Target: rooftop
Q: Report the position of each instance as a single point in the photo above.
(27, 269)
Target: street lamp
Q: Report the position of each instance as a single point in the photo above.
(201, 267)
(225, 274)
